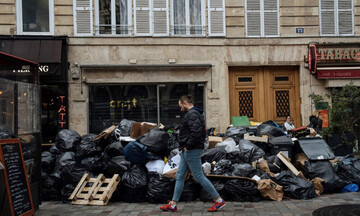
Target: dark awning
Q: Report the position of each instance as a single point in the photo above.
(44, 51)
(7, 60)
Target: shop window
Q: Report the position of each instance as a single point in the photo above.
(336, 17)
(262, 18)
(151, 103)
(113, 17)
(54, 111)
(35, 17)
(188, 17)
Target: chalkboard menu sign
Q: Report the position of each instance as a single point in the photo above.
(17, 184)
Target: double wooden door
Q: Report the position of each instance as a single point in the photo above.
(265, 93)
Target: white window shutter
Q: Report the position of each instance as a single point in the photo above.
(83, 18)
(271, 18)
(161, 17)
(142, 17)
(345, 8)
(216, 16)
(253, 18)
(327, 13)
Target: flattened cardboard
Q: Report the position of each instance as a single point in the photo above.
(213, 140)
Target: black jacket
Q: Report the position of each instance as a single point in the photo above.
(192, 131)
(315, 123)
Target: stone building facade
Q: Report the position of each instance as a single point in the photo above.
(244, 57)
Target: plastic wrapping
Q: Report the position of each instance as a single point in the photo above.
(323, 169)
(125, 127)
(242, 190)
(213, 154)
(159, 189)
(156, 141)
(295, 187)
(155, 166)
(67, 140)
(249, 152)
(87, 147)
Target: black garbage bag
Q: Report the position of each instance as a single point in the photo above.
(295, 187)
(160, 189)
(54, 150)
(125, 127)
(117, 165)
(260, 173)
(56, 177)
(190, 192)
(242, 190)
(223, 167)
(242, 169)
(173, 142)
(269, 130)
(234, 157)
(173, 153)
(348, 172)
(274, 163)
(66, 192)
(47, 161)
(92, 164)
(323, 169)
(237, 133)
(219, 186)
(249, 152)
(46, 180)
(135, 152)
(155, 140)
(50, 194)
(113, 150)
(64, 160)
(27, 151)
(87, 147)
(67, 140)
(213, 154)
(72, 175)
(134, 185)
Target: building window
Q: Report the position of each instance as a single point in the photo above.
(262, 18)
(113, 17)
(336, 17)
(188, 18)
(140, 102)
(35, 17)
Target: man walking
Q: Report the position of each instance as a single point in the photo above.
(192, 138)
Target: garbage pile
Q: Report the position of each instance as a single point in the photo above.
(244, 164)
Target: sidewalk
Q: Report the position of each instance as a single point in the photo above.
(263, 208)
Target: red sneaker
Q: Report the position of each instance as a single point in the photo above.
(217, 206)
(168, 207)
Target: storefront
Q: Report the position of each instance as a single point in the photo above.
(51, 54)
(20, 118)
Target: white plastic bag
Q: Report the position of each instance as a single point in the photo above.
(173, 163)
(229, 145)
(206, 168)
(155, 166)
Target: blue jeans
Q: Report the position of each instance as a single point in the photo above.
(192, 160)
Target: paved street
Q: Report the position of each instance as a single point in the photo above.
(263, 208)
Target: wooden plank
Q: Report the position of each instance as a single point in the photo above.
(264, 139)
(83, 178)
(291, 167)
(114, 179)
(231, 177)
(97, 182)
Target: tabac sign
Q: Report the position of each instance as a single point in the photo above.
(339, 59)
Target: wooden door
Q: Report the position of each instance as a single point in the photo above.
(265, 93)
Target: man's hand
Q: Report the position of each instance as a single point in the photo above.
(185, 149)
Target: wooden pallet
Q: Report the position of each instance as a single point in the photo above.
(94, 191)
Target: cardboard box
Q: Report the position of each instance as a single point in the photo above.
(141, 128)
(300, 160)
(213, 140)
(264, 139)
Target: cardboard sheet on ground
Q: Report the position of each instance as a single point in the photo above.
(316, 148)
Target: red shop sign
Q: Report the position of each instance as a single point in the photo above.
(342, 73)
